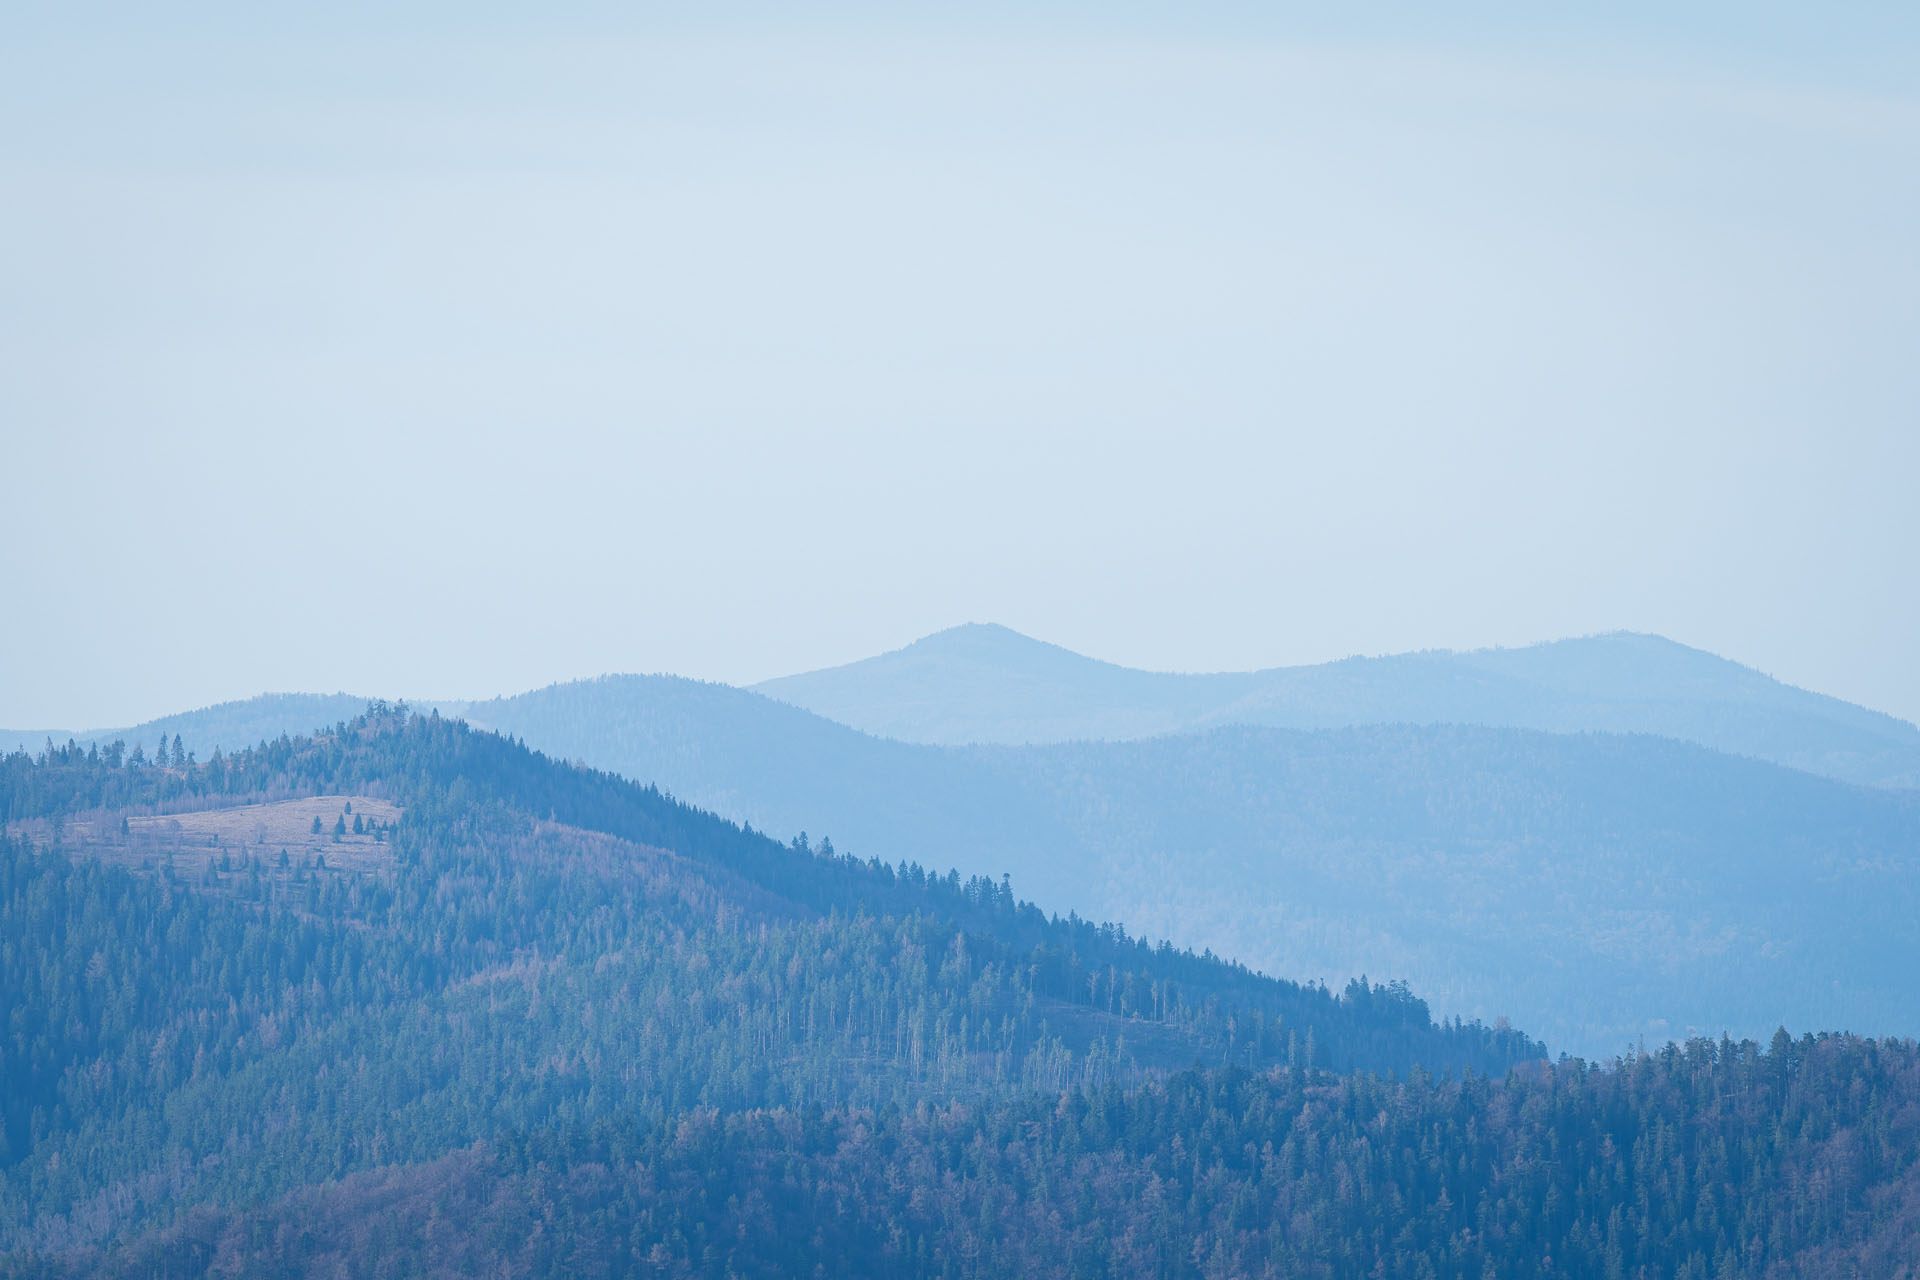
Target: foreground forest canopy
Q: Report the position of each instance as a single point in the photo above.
(408, 993)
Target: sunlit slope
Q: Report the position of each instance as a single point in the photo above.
(1592, 887)
(986, 684)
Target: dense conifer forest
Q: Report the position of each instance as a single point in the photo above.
(406, 998)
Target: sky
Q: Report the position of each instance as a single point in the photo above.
(448, 351)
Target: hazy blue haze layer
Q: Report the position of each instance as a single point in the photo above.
(983, 683)
(732, 342)
(1594, 887)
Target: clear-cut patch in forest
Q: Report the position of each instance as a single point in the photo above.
(340, 832)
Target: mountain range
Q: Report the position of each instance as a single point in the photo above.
(1595, 888)
(407, 998)
(1603, 840)
(981, 683)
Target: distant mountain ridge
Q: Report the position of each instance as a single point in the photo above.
(1592, 887)
(986, 684)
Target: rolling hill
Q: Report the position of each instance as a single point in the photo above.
(522, 1018)
(1596, 888)
(215, 995)
(987, 684)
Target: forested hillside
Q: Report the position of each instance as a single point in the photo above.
(1705, 1162)
(987, 684)
(509, 1016)
(1597, 889)
(211, 1006)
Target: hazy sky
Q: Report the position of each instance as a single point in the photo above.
(455, 355)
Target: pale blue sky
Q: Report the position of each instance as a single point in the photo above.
(456, 354)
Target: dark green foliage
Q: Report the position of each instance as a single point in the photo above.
(576, 1028)
(550, 946)
(1697, 1162)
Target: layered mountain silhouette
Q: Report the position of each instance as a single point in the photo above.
(516, 942)
(524, 1018)
(987, 684)
(1594, 888)
(1600, 839)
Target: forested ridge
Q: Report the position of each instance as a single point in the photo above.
(546, 948)
(1596, 889)
(1707, 1161)
(556, 1023)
